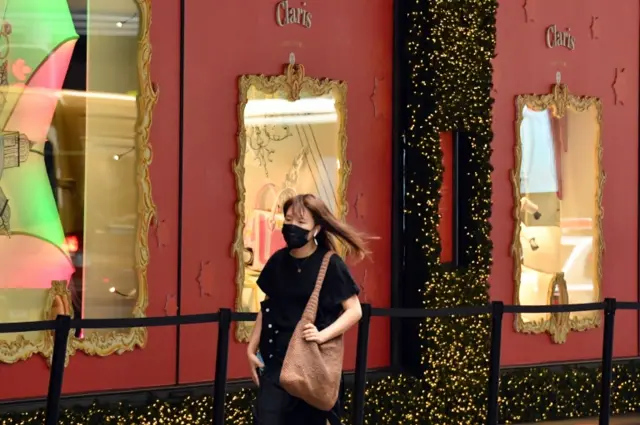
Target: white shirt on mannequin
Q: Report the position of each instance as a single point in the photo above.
(538, 166)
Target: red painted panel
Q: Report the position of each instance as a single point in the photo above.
(606, 38)
(30, 378)
(223, 43)
(445, 229)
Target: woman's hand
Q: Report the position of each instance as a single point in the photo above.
(351, 315)
(311, 334)
(254, 365)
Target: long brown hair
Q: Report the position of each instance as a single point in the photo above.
(332, 230)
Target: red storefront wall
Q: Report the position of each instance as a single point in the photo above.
(607, 39)
(221, 43)
(348, 40)
(343, 43)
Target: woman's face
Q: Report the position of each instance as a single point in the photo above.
(302, 218)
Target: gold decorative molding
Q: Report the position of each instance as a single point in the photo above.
(58, 303)
(294, 75)
(19, 349)
(558, 325)
(120, 341)
(289, 85)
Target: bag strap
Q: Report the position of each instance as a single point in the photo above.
(311, 310)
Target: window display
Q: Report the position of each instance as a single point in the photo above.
(558, 187)
(74, 189)
(292, 140)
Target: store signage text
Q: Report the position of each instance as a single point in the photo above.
(557, 38)
(286, 15)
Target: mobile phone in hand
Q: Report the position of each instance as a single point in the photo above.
(260, 369)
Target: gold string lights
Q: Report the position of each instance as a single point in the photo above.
(450, 47)
(450, 52)
(566, 392)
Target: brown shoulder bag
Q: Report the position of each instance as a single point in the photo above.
(310, 371)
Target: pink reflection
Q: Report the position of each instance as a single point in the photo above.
(28, 262)
(34, 110)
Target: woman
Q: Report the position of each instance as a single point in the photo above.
(288, 278)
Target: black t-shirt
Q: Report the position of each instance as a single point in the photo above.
(288, 283)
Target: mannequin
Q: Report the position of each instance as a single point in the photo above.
(540, 203)
(540, 235)
(33, 254)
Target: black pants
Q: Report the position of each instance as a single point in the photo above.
(275, 406)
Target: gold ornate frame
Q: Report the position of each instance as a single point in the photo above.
(106, 343)
(558, 325)
(58, 301)
(291, 84)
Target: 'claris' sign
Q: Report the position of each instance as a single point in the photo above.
(286, 15)
(557, 38)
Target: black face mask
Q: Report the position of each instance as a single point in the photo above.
(295, 236)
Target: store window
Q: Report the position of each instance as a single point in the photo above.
(73, 183)
(558, 182)
(291, 140)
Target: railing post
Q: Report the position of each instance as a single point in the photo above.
(222, 361)
(497, 311)
(361, 365)
(56, 374)
(607, 360)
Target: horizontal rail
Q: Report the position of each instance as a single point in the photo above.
(563, 308)
(417, 313)
(406, 313)
(63, 325)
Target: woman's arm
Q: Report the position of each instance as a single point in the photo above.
(351, 315)
(252, 348)
(254, 340)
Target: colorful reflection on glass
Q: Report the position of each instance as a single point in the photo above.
(559, 210)
(292, 148)
(292, 140)
(68, 192)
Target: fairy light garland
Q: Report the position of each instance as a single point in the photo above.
(450, 59)
(527, 395)
(450, 48)
(541, 394)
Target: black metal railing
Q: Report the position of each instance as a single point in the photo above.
(63, 325)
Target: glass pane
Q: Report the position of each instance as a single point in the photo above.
(291, 148)
(68, 192)
(559, 187)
